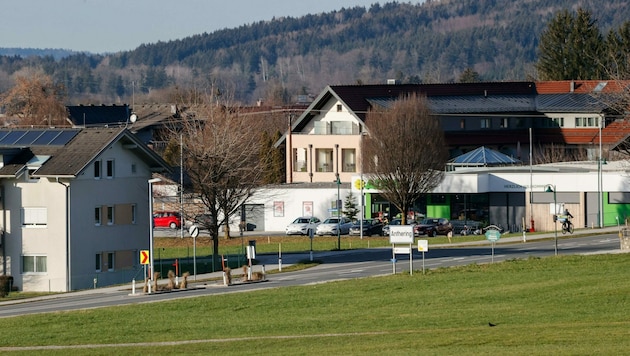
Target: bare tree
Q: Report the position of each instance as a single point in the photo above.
(222, 159)
(36, 100)
(405, 152)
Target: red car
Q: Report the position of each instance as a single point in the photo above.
(170, 219)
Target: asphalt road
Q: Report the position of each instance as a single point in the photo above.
(336, 266)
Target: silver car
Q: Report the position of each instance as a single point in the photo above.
(303, 225)
(330, 226)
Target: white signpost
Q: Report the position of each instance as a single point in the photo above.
(493, 235)
(423, 246)
(401, 234)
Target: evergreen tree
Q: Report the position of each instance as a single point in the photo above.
(350, 207)
(571, 48)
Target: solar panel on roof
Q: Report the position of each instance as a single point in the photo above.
(28, 138)
(63, 138)
(46, 137)
(12, 137)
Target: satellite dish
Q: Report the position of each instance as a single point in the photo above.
(133, 118)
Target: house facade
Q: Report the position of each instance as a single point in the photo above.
(75, 207)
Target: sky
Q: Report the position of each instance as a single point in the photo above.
(105, 26)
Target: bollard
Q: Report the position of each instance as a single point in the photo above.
(225, 283)
(149, 284)
(264, 274)
(133, 286)
(95, 282)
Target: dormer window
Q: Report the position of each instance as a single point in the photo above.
(33, 165)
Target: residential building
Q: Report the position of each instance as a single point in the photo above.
(75, 206)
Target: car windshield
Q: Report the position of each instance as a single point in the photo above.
(301, 221)
(429, 221)
(365, 222)
(331, 221)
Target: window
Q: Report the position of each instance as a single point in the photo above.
(339, 107)
(485, 123)
(133, 213)
(133, 168)
(34, 264)
(348, 160)
(98, 214)
(98, 262)
(299, 160)
(462, 124)
(97, 169)
(110, 261)
(504, 122)
(324, 159)
(110, 168)
(110, 215)
(34, 217)
(341, 127)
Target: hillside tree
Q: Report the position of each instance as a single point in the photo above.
(571, 48)
(405, 152)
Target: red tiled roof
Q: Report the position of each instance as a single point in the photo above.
(581, 86)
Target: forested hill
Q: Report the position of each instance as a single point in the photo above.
(282, 58)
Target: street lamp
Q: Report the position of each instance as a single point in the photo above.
(151, 181)
(361, 183)
(549, 188)
(338, 202)
(338, 214)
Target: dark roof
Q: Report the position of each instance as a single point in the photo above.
(572, 102)
(93, 115)
(70, 159)
(359, 98)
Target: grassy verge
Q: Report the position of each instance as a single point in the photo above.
(559, 305)
(168, 247)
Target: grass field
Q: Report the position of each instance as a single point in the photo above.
(566, 305)
(173, 247)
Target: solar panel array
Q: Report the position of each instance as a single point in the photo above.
(46, 137)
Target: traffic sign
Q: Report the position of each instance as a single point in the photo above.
(193, 231)
(493, 235)
(144, 257)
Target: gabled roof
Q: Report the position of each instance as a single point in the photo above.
(74, 155)
(482, 156)
(582, 86)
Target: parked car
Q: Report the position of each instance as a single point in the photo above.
(433, 226)
(370, 227)
(303, 226)
(330, 226)
(396, 222)
(170, 219)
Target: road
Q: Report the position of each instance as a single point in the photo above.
(336, 266)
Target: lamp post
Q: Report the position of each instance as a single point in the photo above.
(552, 188)
(338, 202)
(361, 182)
(338, 214)
(151, 181)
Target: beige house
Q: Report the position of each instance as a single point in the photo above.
(74, 210)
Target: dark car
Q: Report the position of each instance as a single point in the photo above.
(396, 222)
(370, 227)
(433, 226)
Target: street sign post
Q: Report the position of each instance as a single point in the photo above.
(493, 235)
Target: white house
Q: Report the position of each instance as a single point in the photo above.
(74, 206)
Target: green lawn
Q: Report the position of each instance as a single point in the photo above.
(566, 305)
